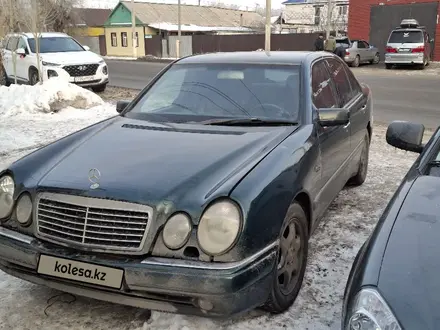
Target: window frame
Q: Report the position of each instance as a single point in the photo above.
(342, 101)
(124, 44)
(332, 83)
(114, 37)
(12, 38)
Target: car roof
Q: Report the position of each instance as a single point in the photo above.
(253, 57)
(42, 35)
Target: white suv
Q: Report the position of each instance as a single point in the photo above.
(60, 56)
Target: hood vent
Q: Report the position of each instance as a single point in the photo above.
(179, 130)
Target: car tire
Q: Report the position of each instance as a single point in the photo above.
(99, 88)
(362, 172)
(33, 76)
(292, 259)
(356, 62)
(388, 66)
(4, 81)
(376, 59)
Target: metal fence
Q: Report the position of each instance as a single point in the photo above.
(200, 44)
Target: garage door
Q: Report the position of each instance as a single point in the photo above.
(383, 19)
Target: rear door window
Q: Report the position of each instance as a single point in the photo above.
(400, 37)
(12, 44)
(324, 93)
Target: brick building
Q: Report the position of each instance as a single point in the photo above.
(373, 20)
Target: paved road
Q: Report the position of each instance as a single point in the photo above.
(397, 95)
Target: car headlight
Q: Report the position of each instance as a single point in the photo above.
(371, 312)
(177, 231)
(24, 209)
(50, 64)
(219, 227)
(7, 187)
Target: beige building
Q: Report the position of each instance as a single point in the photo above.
(154, 19)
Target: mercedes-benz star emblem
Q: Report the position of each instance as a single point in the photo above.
(94, 176)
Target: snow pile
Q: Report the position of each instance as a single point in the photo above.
(51, 96)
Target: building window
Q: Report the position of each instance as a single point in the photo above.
(343, 10)
(124, 40)
(136, 39)
(114, 39)
(317, 15)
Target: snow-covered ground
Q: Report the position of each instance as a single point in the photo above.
(333, 246)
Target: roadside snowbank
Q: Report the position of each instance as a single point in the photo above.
(31, 116)
(51, 96)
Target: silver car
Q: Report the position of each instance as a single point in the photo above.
(409, 44)
(358, 51)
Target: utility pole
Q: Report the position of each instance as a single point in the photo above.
(268, 25)
(329, 18)
(133, 29)
(179, 27)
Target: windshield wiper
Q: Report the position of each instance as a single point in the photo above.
(250, 122)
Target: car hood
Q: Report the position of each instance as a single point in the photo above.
(409, 278)
(71, 58)
(149, 163)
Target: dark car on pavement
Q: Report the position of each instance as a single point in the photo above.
(394, 281)
(201, 195)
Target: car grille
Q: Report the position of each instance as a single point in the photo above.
(92, 223)
(81, 70)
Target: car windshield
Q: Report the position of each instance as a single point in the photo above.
(400, 37)
(55, 45)
(198, 92)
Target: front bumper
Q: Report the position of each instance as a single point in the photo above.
(404, 58)
(99, 78)
(177, 286)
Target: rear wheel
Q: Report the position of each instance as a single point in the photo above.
(361, 174)
(292, 261)
(376, 59)
(356, 61)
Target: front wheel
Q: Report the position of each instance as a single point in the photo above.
(292, 261)
(99, 89)
(3, 77)
(34, 77)
(388, 66)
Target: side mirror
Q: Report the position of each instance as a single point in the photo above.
(333, 117)
(87, 48)
(20, 51)
(121, 105)
(406, 136)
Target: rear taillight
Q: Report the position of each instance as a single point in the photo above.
(347, 53)
(420, 49)
(391, 50)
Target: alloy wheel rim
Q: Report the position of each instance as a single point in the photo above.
(289, 258)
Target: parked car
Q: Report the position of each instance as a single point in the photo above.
(358, 51)
(60, 56)
(408, 44)
(394, 282)
(200, 197)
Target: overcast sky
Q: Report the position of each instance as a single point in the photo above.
(243, 3)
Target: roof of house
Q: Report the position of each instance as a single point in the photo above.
(154, 13)
(90, 16)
